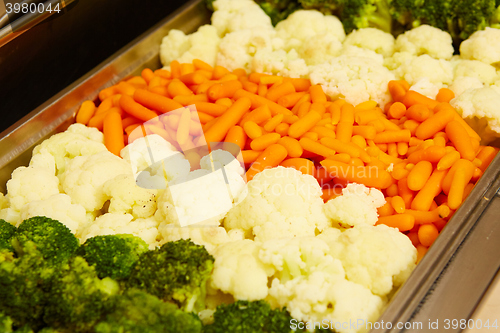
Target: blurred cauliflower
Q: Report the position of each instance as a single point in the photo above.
(202, 44)
(438, 71)
(482, 45)
(302, 25)
(280, 62)
(278, 203)
(398, 59)
(487, 74)
(479, 107)
(426, 88)
(319, 48)
(372, 39)
(463, 83)
(357, 79)
(356, 206)
(356, 51)
(425, 39)
(230, 16)
(237, 48)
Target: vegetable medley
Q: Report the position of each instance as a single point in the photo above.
(266, 179)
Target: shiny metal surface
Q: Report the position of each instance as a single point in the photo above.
(450, 279)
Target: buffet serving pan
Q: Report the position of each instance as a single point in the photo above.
(447, 284)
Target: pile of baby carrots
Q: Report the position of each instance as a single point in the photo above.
(418, 151)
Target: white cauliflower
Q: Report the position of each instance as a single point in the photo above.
(319, 48)
(302, 25)
(426, 88)
(238, 270)
(85, 176)
(482, 45)
(357, 79)
(60, 208)
(280, 62)
(398, 59)
(438, 71)
(77, 140)
(231, 15)
(202, 44)
(377, 257)
(279, 203)
(426, 40)
(487, 74)
(356, 206)
(201, 196)
(479, 107)
(30, 184)
(372, 39)
(112, 224)
(43, 160)
(237, 49)
(126, 197)
(355, 51)
(463, 83)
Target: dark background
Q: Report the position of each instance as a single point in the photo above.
(50, 56)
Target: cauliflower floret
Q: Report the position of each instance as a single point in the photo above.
(372, 39)
(319, 48)
(111, 224)
(479, 107)
(30, 184)
(426, 88)
(357, 79)
(280, 62)
(279, 203)
(209, 237)
(483, 45)
(77, 140)
(397, 60)
(43, 160)
(438, 71)
(238, 270)
(487, 74)
(463, 83)
(237, 49)
(377, 257)
(356, 206)
(126, 197)
(426, 40)
(60, 208)
(201, 196)
(230, 16)
(355, 51)
(202, 45)
(305, 24)
(86, 175)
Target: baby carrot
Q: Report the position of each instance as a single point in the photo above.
(301, 84)
(86, 111)
(404, 192)
(317, 94)
(271, 124)
(155, 102)
(282, 129)
(445, 95)
(231, 117)
(304, 124)
(264, 141)
(135, 109)
(113, 132)
(427, 234)
(317, 148)
(398, 204)
(190, 99)
(257, 101)
(176, 87)
(283, 89)
(368, 132)
(292, 146)
(252, 130)
(396, 110)
(460, 139)
(396, 90)
(200, 64)
(212, 109)
(419, 175)
(335, 111)
(224, 89)
(369, 176)
(461, 178)
(344, 131)
(107, 92)
(418, 112)
(125, 88)
(448, 160)
(363, 106)
(291, 99)
(272, 156)
(431, 189)
(301, 164)
(259, 115)
(403, 222)
(436, 123)
(386, 209)
(249, 156)
(412, 97)
(236, 135)
(422, 217)
(393, 136)
(486, 155)
(323, 132)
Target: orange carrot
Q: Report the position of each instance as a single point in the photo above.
(460, 139)
(304, 124)
(224, 89)
(155, 102)
(252, 130)
(86, 111)
(445, 95)
(176, 87)
(427, 234)
(107, 92)
(317, 94)
(264, 141)
(461, 178)
(135, 109)
(419, 175)
(291, 99)
(317, 148)
(259, 101)
(422, 217)
(396, 90)
(249, 156)
(437, 122)
(231, 117)
(486, 155)
(412, 97)
(418, 112)
(369, 176)
(113, 132)
(403, 222)
(301, 84)
(448, 160)
(283, 89)
(431, 189)
(393, 136)
(396, 110)
(398, 204)
(272, 156)
(301, 164)
(271, 124)
(282, 129)
(292, 146)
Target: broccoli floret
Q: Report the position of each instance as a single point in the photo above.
(113, 255)
(249, 317)
(468, 16)
(278, 10)
(210, 4)
(24, 285)
(7, 230)
(24, 329)
(138, 312)
(324, 6)
(52, 238)
(176, 272)
(78, 297)
(5, 323)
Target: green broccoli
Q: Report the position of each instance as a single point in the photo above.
(250, 317)
(52, 238)
(138, 312)
(176, 272)
(468, 16)
(6, 232)
(24, 329)
(113, 255)
(5, 323)
(278, 10)
(24, 285)
(78, 297)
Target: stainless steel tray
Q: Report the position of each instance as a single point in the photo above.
(447, 284)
